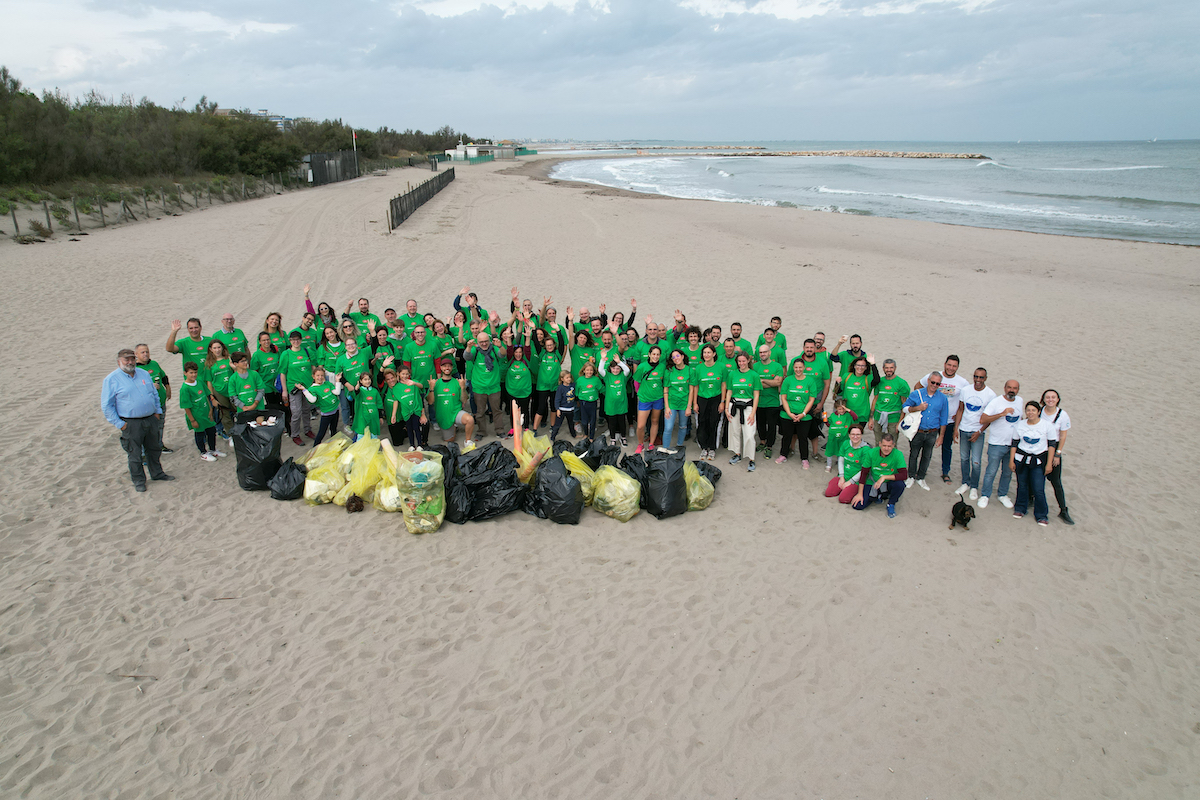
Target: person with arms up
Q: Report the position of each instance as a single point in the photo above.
(1062, 423)
(130, 403)
(363, 319)
(935, 415)
(1031, 458)
(616, 400)
(487, 373)
(998, 418)
(323, 394)
(884, 485)
(845, 360)
(968, 430)
(193, 347)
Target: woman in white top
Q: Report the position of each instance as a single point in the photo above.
(1031, 457)
(1058, 418)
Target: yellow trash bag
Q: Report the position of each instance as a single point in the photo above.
(421, 481)
(326, 452)
(700, 490)
(617, 495)
(387, 493)
(534, 450)
(322, 484)
(582, 473)
(363, 478)
(364, 449)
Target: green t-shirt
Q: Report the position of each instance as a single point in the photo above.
(797, 392)
(581, 355)
(367, 404)
(744, 346)
(244, 389)
(616, 398)
(857, 391)
(881, 465)
(191, 350)
(411, 321)
(296, 368)
(328, 354)
(852, 458)
(549, 367)
(743, 385)
(278, 338)
(587, 388)
(845, 359)
(447, 402)
(352, 366)
(234, 341)
(816, 370)
(156, 372)
(381, 354)
(709, 380)
(890, 395)
(361, 321)
(421, 358)
(308, 338)
(194, 397)
(218, 374)
(650, 381)
(640, 352)
(518, 380)
(408, 398)
(839, 428)
(768, 397)
(780, 343)
(679, 383)
(484, 380)
(327, 399)
(267, 367)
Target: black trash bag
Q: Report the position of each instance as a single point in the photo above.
(562, 445)
(581, 448)
(288, 483)
(501, 495)
(635, 467)
(666, 484)
(449, 453)
(555, 495)
(709, 471)
(458, 495)
(485, 464)
(600, 454)
(257, 449)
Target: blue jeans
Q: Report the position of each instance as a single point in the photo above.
(971, 457)
(997, 460)
(675, 422)
(1032, 476)
(889, 493)
(345, 407)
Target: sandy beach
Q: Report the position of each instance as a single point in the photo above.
(201, 641)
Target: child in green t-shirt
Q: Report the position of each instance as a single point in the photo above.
(193, 399)
(839, 423)
(367, 405)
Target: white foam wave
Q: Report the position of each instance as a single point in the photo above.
(1071, 169)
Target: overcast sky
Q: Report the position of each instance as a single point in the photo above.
(664, 69)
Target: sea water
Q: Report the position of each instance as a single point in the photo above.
(1147, 191)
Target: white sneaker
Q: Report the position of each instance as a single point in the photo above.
(411, 448)
(974, 494)
(469, 443)
(908, 483)
(1004, 501)
(217, 453)
(962, 489)
(208, 457)
(923, 484)
(983, 501)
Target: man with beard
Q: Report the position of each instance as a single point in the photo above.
(130, 403)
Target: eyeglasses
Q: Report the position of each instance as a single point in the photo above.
(935, 383)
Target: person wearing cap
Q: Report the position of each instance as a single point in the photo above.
(130, 402)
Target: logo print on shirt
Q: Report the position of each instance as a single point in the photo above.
(972, 408)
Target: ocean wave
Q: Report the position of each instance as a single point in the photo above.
(1070, 169)
(1096, 198)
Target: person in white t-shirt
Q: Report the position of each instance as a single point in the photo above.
(1031, 457)
(998, 418)
(968, 431)
(953, 385)
(1058, 418)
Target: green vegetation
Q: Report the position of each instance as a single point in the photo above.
(58, 142)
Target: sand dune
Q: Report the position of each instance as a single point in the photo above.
(200, 641)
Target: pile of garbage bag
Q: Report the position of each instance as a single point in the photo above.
(257, 436)
(420, 479)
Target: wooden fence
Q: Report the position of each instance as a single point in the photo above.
(403, 206)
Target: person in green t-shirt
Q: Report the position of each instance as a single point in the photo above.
(857, 385)
(244, 388)
(488, 370)
(616, 400)
(548, 353)
(588, 388)
(193, 399)
(679, 397)
(735, 333)
(797, 397)
(890, 394)
(742, 391)
(296, 368)
(770, 374)
(404, 407)
(710, 391)
(817, 369)
(778, 340)
(272, 326)
(367, 406)
(194, 347)
(839, 423)
(778, 353)
(265, 362)
(235, 341)
(518, 380)
(420, 355)
(161, 382)
(324, 392)
(648, 378)
(310, 334)
(845, 484)
(384, 354)
(351, 365)
(363, 319)
(410, 318)
(447, 395)
(887, 470)
(217, 370)
(329, 350)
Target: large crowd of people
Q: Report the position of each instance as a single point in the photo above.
(413, 376)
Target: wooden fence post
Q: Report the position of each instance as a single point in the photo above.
(75, 207)
(243, 188)
(162, 200)
(145, 203)
(100, 202)
(13, 209)
(46, 208)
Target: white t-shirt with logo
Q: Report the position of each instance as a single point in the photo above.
(973, 404)
(1034, 438)
(952, 389)
(1063, 423)
(1001, 430)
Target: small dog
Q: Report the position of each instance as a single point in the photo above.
(961, 514)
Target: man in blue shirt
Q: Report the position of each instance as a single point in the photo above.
(129, 400)
(935, 414)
